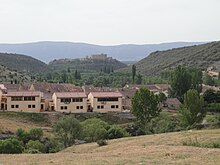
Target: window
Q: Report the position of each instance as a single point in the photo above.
(61, 107)
(81, 107)
(33, 106)
(77, 107)
(29, 106)
(16, 106)
(77, 100)
(16, 98)
(29, 98)
(116, 106)
(102, 106)
(108, 99)
(98, 106)
(112, 106)
(12, 106)
(65, 107)
(65, 100)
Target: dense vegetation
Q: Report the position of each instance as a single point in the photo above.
(200, 56)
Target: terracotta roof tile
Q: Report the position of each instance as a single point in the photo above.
(24, 93)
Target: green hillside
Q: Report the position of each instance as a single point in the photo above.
(22, 63)
(86, 64)
(200, 56)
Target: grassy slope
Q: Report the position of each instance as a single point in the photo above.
(200, 56)
(151, 149)
(11, 121)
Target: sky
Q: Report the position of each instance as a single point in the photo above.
(109, 22)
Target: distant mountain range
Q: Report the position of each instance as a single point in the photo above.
(48, 51)
(200, 56)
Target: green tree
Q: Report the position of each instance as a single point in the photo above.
(181, 82)
(68, 129)
(64, 76)
(196, 79)
(145, 106)
(192, 111)
(133, 73)
(139, 79)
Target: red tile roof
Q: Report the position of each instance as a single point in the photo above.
(71, 95)
(106, 94)
(24, 93)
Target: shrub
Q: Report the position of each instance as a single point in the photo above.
(213, 107)
(53, 145)
(35, 147)
(102, 142)
(22, 135)
(116, 132)
(95, 129)
(36, 134)
(11, 146)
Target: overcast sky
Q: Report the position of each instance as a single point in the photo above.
(109, 22)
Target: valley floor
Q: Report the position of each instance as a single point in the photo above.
(151, 149)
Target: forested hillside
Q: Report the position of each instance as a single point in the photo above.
(22, 63)
(200, 56)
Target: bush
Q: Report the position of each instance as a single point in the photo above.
(213, 107)
(22, 135)
(164, 123)
(53, 145)
(11, 146)
(35, 147)
(102, 142)
(116, 132)
(95, 129)
(36, 134)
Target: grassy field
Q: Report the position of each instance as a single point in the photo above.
(151, 149)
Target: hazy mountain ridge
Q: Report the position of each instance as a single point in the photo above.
(47, 51)
(200, 56)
